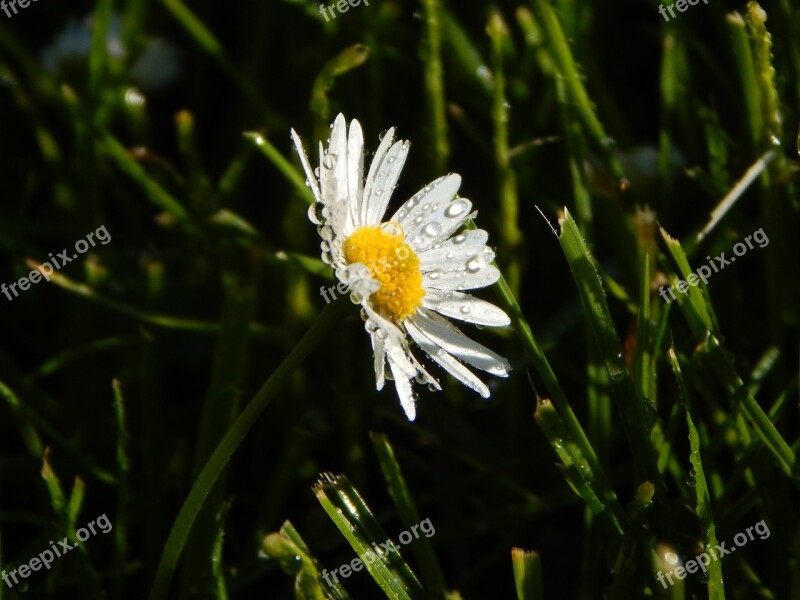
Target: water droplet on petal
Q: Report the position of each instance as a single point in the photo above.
(315, 214)
(455, 209)
(475, 264)
(465, 310)
(432, 229)
(433, 275)
(459, 239)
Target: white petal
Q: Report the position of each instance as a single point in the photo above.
(439, 224)
(450, 338)
(393, 339)
(421, 204)
(475, 273)
(376, 196)
(310, 177)
(380, 359)
(466, 308)
(377, 160)
(355, 170)
(455, 252)
(450, 364)
(403, 386)
(333, 163)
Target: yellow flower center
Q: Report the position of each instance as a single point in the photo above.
(393, 264)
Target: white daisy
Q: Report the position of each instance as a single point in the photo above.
(409, 270)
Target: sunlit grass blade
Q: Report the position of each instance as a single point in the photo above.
(226, 448)
(557, 396)
(284, 166)
(637, 416)
(716, 589)
(432, 575)
(357, 524)
(527, 574)
(699, 314)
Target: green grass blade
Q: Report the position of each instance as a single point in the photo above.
(568, 71)
(284, 166)
(716, 588)
(347, 60)
(635, 417)
(357, 524)
(699, 313)
(434, 85)
(527, 574)
(422, 548)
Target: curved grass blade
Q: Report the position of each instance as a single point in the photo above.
(173, 548)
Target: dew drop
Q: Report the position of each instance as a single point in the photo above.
(316, 172)
(465, 310)
(455, 209)
(459, 239)
(432, 229)
(433, 275)
(449, 255)
(475, 264)
(315, 214)
(616, 368)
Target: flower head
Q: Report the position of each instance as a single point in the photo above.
(407, 272)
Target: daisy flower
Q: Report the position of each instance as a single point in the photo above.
(407, 272)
